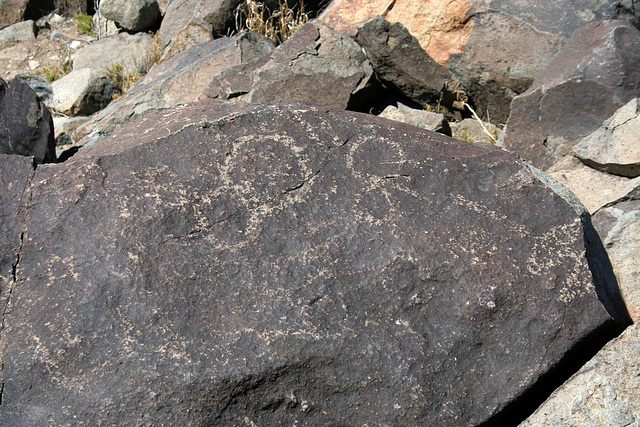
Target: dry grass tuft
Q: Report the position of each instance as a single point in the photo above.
(55, 72)
(123, 79)
(278, 25)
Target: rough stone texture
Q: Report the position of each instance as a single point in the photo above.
(423, 119)
(401, 64)
(25, 30)
(619, 227)
(227, 263)
(594, 188)
(606, 391)
(614, 147)
(26, 126)
(180, 79)
(471, 131)
(218, 13)
(15, 175)
(441, 27)
(81, 92)
(501, 58)
(130, 50)
(316, 64)
(197, 31)
(594, 75)
(132, 15)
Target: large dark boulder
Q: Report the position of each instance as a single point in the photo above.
(26, 125)
(595, 74)
(228, 263)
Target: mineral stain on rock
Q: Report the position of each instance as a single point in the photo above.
(289, 263)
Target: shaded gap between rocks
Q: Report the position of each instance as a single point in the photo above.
(524, 406)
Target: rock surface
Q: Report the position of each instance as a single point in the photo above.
(423, 119)
(501, 58)
(402, 65)
(225, 263)
(180, 79)
(132, 15)
(471, 130)
(594, 188)
(104, 53)
(619, 226)
(594, 75)
(82, 92)
(21, 31)
(26, 126)
(316, 64)
(606, 391)
(15, 175)
(614, 148)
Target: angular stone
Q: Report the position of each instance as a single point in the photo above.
(423, 119)
(228, 263)
(132, 15)
(218, 13)
(81, 92)
(180, 79)
(614, 147)
(502, 56)
(22, 31)
(606, 391)
(104, 53)
(619, 227)
(402, 65)
(594, 188)
(316, 64)
(197, 31)
(595, 74)
(26, 126)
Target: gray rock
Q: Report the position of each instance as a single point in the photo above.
(402, 65)
(81, 92)
(423, 119)
(619, 226)
(614, 147)
(26, 126)
(132, 51)
(606, 391)
(12, 11)
(41, 87)
(228, 263)
(316, 64)
(471, 130)
(501, 58)
(563, 17)
(19, 32)
(594, 75)
(132, 15)
(197, 31)
(180, 79)
(594, 188)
